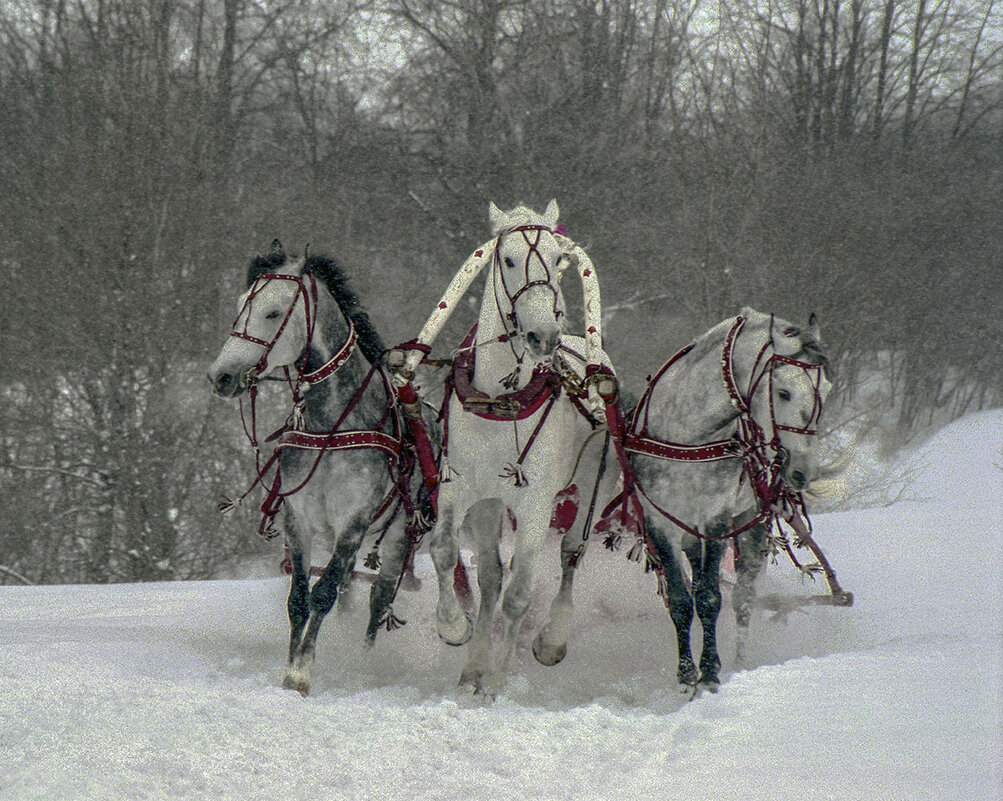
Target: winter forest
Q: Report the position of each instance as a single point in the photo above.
(841, 157)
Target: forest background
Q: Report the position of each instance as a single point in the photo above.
(836, 156)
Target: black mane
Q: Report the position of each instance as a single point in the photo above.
(331, 276)
(336, 282)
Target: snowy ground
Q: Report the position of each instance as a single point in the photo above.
(170, 691)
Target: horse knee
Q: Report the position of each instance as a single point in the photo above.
(515, 604)
(708, 600)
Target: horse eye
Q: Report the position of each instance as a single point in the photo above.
(509, 262)
(784, 395)
(273, 315)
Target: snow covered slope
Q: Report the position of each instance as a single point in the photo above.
(169, 691)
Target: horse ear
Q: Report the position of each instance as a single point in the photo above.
(813, 326)
(499, 219)
(277, 249)
(551, 214)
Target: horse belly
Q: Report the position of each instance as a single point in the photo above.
(698, 494)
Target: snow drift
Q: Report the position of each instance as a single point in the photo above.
(169, 691)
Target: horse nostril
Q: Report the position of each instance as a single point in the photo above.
(533, 340)
(798, 479)
(223, 383)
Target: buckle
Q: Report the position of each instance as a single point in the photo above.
(499, 407)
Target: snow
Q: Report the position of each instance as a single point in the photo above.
(170, 691)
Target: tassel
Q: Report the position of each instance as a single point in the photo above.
(390, 621)
(514, 470)
(810, 571)
(612, 540)
(446, 472)
(372, 560)
(295, 421)
(227, 505)
(663, 585)
(636, 550)
(420, 522)
(267, 529)
(511, 381)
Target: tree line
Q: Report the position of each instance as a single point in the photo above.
(836, 156)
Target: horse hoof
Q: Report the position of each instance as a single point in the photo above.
(471, 677)
(299, 684)
(455, 633)
(687, 676)
(710, 683)
(549, 655)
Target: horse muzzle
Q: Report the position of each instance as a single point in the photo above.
(542, 344)
(230, 384)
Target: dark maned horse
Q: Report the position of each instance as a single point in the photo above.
(339, 461)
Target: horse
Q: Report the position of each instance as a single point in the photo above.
(722, 442)
(506, 456)
(339, 461)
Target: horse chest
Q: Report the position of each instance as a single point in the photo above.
(480, 451)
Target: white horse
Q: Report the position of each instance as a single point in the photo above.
(339, 461)
(515, 420)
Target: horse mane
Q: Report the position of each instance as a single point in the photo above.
(336, 282)
(332, 277)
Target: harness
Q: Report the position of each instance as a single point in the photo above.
(543, 390)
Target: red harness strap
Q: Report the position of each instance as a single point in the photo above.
(340, 441)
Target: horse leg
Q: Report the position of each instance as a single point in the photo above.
(705, 558)
(680, 604)
(486, 529)
(451, 621)
(749, 560)
(517, 597)
(298, 602)
(321, 600)
(551, 645)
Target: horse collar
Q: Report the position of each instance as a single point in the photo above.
(516, 405)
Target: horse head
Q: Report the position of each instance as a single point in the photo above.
(793, 387)
(525, 275)
(274, 322)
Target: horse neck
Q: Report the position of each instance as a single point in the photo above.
(325, 402)
(495, 360)
(690, 403)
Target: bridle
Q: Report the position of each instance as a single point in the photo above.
(762, 374)
(308, 292)
(533, 249)
(306, 288)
